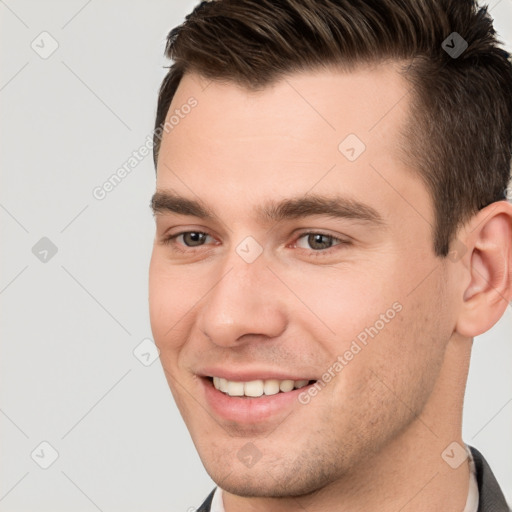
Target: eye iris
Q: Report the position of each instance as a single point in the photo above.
(315, 239)
(193, 238)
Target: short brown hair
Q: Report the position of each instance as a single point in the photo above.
(459, 131)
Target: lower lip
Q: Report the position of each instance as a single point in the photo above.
(249, 410)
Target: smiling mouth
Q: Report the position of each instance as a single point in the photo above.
(257, 388)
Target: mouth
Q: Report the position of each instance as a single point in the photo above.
(253, 401)
(257, 388)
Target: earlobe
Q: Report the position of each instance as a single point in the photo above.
(485, 298)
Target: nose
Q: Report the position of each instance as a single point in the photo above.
(245, 302)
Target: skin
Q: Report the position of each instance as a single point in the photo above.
(372, 439)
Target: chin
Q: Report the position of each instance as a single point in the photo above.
(269, 481)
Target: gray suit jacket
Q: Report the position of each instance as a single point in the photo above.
(491, 497)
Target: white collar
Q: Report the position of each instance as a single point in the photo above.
(217, 504)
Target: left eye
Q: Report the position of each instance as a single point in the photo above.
(318, 241)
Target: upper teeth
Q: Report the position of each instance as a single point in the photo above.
(256, 388)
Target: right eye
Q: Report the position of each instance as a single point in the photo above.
(189, 239)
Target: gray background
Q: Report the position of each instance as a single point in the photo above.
(70, 324)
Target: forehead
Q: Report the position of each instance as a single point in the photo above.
(327, 102)
(311, 131)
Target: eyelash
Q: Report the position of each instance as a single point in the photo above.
(170, 240)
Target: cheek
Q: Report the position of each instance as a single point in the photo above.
(168, 307)
(341, 304)
(374, 322)
(168, 302)
(408, 355)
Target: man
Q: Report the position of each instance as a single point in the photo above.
(332, 231)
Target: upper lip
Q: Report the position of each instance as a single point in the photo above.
(253, 374)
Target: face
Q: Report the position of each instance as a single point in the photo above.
(289, 255)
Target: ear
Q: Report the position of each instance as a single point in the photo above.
(488, 262)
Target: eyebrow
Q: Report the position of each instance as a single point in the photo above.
(274, 211)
